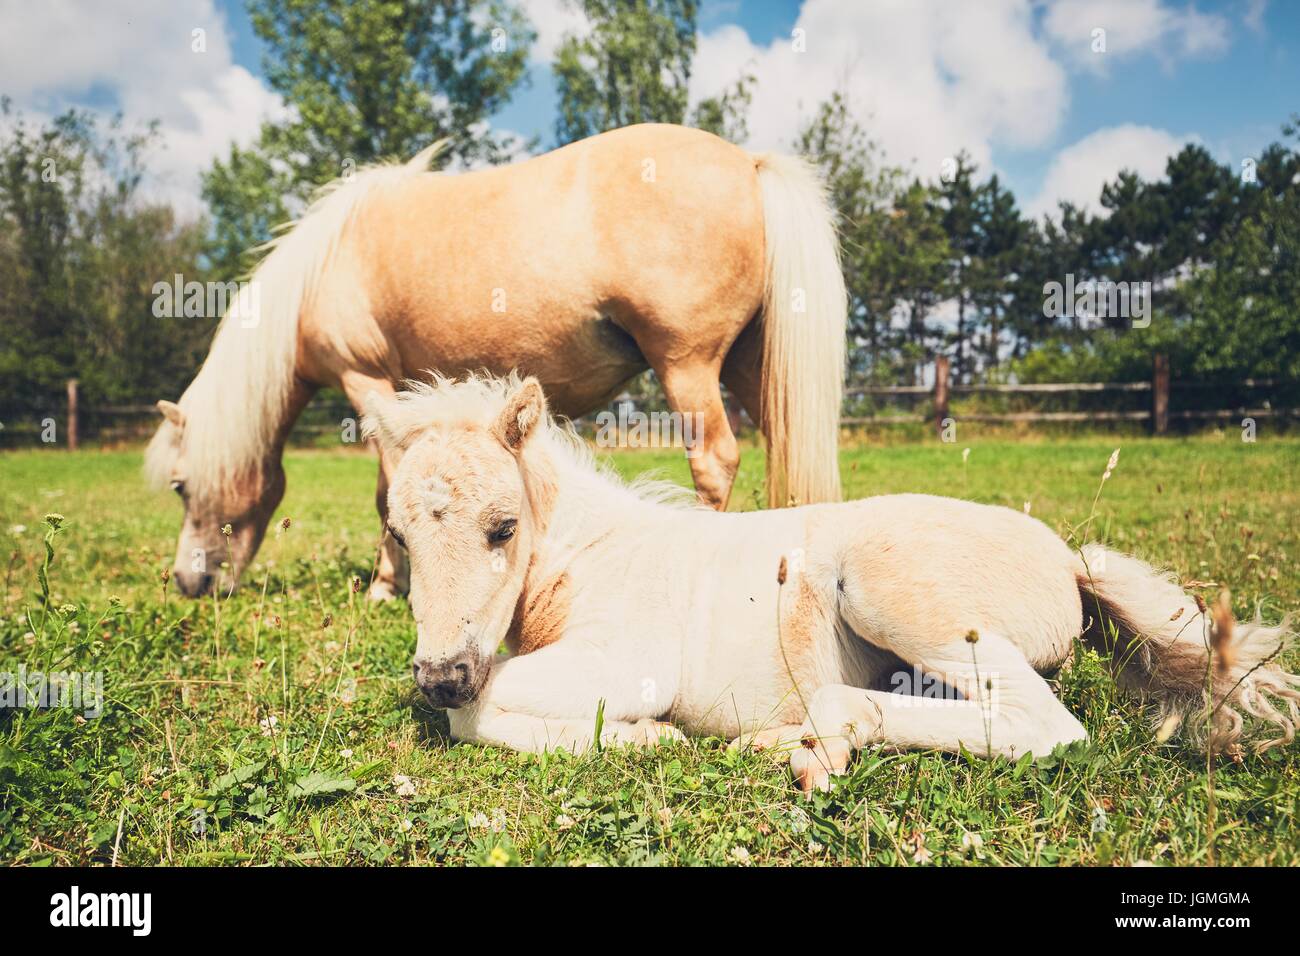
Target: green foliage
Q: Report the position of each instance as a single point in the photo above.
(368, 80)
(634, 66)
(80, 251)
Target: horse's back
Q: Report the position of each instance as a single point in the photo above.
(644, 234)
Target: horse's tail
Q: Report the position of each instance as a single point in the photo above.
(804, 316)
(1195, 661)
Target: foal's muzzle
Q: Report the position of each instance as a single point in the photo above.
(453, 682)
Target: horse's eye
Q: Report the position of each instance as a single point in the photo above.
(178, 487)
(396, 537)
(502, 532)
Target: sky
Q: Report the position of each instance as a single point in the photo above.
(1029, 88)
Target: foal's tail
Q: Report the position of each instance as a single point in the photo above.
(1196, 662)
(804, 316)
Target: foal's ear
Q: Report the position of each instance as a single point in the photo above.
(524, 409)
(379, 421)
(172, 412)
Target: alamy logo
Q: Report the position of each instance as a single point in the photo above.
(71, 689)
(1098, 299)
(631, 428)
(208, 300)
(103, 909)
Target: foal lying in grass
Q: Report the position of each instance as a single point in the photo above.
(774, 627)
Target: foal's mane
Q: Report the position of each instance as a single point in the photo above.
(236, 406)
(477, 400)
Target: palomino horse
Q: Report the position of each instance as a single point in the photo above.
(668, 613)
(653, 246)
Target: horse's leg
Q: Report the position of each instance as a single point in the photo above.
(550, 698)
(742, 371)
(392, 574)
(1008, 710)
(693, 390)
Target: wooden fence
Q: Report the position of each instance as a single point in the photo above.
(125, 422)
(1157, 413)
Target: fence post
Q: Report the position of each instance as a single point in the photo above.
(940, 391)
(72, 414)
(1160, 395)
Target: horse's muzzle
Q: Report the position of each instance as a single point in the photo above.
(453, 682)
(192, 583)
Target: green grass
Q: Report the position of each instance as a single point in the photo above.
(289, 728)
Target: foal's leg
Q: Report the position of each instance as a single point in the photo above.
(1009, 711)
(392, 574)
(693, 389)
(549, 699)
(487, 724)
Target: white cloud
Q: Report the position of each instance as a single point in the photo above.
(1133, 27)
(925, 78)
(552, 19)
(1254, 15)
(139, 52)
(1080, 170)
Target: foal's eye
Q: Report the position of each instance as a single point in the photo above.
(178, 487)
(502, 532)
(396, 537)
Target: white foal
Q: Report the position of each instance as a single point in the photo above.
(678, 619)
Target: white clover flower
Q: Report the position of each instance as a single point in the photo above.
(478, 821)
(269, 725)
(403, 784)
(739, 855)
(971, 842)
(564, 822)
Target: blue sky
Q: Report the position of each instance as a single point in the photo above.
(1013, 82)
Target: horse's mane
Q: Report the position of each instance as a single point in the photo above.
(478, 400)
(236, 405)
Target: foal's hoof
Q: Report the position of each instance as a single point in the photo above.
(382, 591)
(651, 733)
(814, 762)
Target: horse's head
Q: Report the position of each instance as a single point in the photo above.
(459, 502)
(225, 515)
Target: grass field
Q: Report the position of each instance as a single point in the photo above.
(281, 725)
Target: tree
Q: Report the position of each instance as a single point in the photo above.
(634, 66)
(367, 80)
(80, 255)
